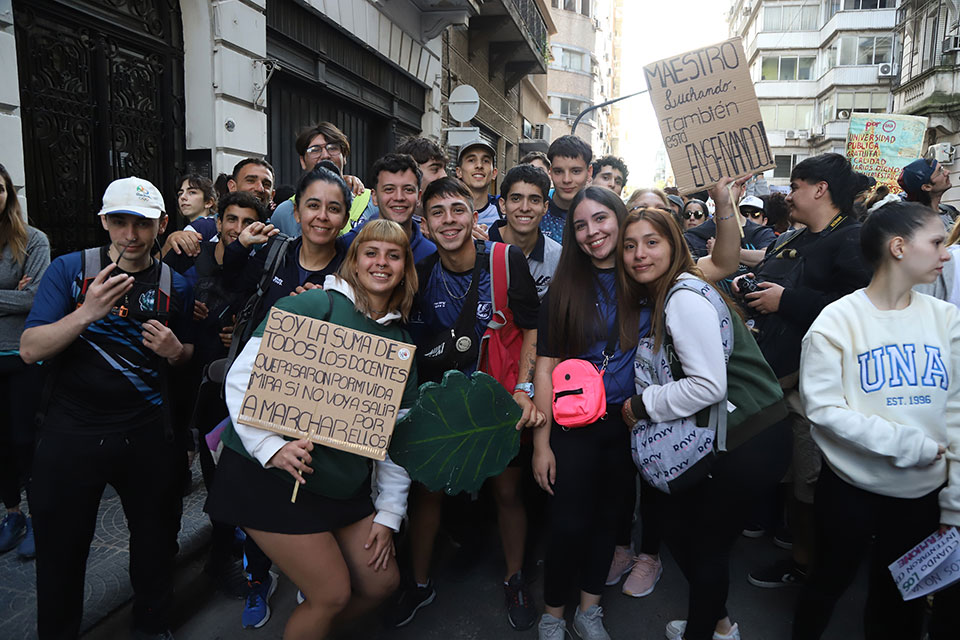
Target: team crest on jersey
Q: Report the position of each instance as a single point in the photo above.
(148, 300)
(484, 310)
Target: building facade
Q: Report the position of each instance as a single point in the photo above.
(582, 67)
(813, 64)
(928, 74)
(94, 90)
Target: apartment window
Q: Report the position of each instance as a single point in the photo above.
(585, 7)
(787, 67)
(574, 60)
(867, 102)
(555, 4)
(570, 108)
(787, 116)
(860, 50)
(790, 18)
(785, 164)
(857, 5)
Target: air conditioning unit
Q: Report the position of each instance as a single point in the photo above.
(790, 134)
(843, 114)
(886, 70)
(803, 134)
(943, 152)
(542, 132)
(951, 44)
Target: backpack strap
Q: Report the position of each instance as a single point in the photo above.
(92, 264)
(499, 284)
(718, 412)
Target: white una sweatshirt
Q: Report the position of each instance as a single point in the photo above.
(882, 389)
(391, 480)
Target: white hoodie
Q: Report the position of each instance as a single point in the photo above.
(391, 480)
(882, 389)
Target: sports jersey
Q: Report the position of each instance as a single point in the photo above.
(243, 271)
(618, 379)
(419, 244)
(107, 380)
(205, 277)
(440, 298)
(552, 223)
(206, 227)
(542, 261)
(490, 214)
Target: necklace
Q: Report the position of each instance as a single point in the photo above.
(443, 280)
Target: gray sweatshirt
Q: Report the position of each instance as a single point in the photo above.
(15, 305)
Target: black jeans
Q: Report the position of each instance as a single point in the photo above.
(594, 470)
(20, 389)
(846, 519)
(702, 523)
(70, 472)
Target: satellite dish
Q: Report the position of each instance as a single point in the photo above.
(463, 104)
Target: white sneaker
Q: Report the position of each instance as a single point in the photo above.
(675, 629)
(551, 628)
(589, 624)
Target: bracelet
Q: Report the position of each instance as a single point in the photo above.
(725, 217)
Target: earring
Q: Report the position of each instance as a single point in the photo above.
(402, 282)
(899, 256)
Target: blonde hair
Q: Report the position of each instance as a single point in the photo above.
(954, 233)
(381, 230)
(637, 194)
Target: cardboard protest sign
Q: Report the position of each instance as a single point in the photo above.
(882, 144)
(330, 384)
(709, 115)
(930, 566)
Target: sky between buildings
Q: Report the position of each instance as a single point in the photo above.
(652, 31)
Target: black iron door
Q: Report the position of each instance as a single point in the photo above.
(101, 88)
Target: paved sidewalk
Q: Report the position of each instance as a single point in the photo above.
(108, 581)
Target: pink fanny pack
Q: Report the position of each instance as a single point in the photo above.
(579, 397)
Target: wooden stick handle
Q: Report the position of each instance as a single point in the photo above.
(296, 488)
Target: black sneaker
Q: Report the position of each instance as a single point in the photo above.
(754, 531)
(783, 539)
(520, 610)
(409, 600)
(782, 574)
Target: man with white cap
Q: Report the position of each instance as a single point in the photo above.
(109, 321)
(477, 168)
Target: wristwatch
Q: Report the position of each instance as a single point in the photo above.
(526, 387)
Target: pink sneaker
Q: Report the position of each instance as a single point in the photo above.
(644, 576)
(622, 563)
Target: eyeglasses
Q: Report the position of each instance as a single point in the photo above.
(333, 148)
(693, 214)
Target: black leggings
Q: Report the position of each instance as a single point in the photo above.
(594, 470)
(702, 523)
(846, 518)
(651, 517)
(20, 388)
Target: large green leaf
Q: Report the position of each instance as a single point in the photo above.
(459, 433)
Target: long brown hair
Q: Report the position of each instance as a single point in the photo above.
(381, 230)
(654, 293)
(574, 317)
(13, 230)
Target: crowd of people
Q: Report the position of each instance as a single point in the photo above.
(784, 364)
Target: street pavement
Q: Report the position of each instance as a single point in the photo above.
(469, 604)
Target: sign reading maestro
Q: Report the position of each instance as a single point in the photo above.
(709, 116)
(329, 384)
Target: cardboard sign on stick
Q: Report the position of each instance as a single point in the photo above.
(332, 385)
(708, 115)
(882, 144)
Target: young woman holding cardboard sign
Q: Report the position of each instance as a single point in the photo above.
(334, 542)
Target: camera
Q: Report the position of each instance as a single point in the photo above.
(748, 285)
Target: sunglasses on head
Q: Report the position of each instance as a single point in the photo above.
(693, 214)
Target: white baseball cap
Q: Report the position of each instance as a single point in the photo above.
(135, 196)
(752, 201)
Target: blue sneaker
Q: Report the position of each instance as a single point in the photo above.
(256, 611)
(27, 549)
(11, 528)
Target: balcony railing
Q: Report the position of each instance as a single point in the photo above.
(534, 22)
